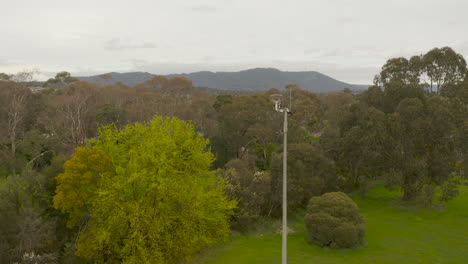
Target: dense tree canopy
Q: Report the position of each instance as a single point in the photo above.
(145, 194)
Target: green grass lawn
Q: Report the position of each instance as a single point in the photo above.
(396, 233)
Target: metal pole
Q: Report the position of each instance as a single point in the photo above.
(285, 212)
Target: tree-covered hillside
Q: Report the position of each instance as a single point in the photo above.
(160, 172)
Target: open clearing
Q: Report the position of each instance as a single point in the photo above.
(396, 233)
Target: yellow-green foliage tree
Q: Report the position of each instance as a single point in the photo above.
(144, 194)
(78, 184)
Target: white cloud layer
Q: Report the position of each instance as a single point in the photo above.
(348, 40)
(127, 43)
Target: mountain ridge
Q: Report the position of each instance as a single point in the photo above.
(255, 79)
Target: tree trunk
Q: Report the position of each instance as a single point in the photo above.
(408, 195)
(410, 192)
(13, 147)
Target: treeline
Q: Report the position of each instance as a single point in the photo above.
(409, 130)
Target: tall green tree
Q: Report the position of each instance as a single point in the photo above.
(411, 142)
(443, 67)
(423, 134)
(400, 70)
(361, 152)
(61, 79)
(247, 121)
(310, 173)
(150, 197)
(26, 224)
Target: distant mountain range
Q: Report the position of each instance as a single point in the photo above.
(258, 79)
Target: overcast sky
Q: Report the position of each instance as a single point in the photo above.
(347, 40)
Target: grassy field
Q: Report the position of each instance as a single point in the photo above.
(396, 233)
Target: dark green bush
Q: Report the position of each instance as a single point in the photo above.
(310, 173)
(333, 220)
(251, 189)
(426, 196)
(450, 189)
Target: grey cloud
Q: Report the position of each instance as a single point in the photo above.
(127, 44)
(462, 48)
(80, 71)
(354, 51)
(137, 62)
(339, 53)
(4, 62)
(237, 34)
(208, 58)
(203, 8)
(355, 75)
(347, 20)
(311, 51)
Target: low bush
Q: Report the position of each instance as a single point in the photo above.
(333, 220)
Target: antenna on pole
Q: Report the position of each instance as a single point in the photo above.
(276, 98)
(290, 87)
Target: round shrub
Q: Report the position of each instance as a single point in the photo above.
(333, 220)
